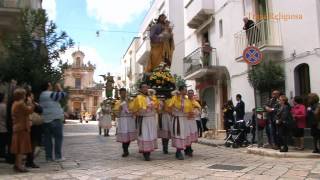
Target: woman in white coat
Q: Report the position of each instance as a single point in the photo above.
(106, 119)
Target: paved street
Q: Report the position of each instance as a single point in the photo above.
(90, 156)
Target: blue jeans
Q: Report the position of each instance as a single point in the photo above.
(269, 132)
(53, 130)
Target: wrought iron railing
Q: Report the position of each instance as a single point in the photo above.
(202, 57)
(264, 33)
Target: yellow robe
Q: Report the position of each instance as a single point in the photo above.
(140, 103)
(175, 102)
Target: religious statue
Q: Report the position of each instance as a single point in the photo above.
(161, 42)
(109, 84)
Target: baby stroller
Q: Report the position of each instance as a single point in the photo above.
(238, 135)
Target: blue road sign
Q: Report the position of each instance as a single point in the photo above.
(252, 55)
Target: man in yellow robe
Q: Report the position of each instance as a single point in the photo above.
(191, 124)
(145, 109)
(126, 128)
(182, 111)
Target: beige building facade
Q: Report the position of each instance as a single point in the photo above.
(84, 94)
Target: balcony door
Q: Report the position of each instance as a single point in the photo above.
(261, 9)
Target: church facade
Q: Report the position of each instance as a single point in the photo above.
(84, 94)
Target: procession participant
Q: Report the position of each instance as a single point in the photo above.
(99, 116)
(145, 108)
(191, 124)
(182, 110)
(164, 124)
(105, 121)
(126, 129)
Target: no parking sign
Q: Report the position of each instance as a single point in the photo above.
(252, 55)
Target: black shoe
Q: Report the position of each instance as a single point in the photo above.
(20, 170)
(188, 151)
(33, 165)
(179, 155)
(165, 146)
(125, 154)
(165, 151)
(316, 151)
(146, 156)
(284, 149)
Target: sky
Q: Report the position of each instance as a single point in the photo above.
(81, 19)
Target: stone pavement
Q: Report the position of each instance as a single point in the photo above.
(90, 156)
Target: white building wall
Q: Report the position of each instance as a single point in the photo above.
(231, 13)
(129, 62)
(300, 36)
(176, 16)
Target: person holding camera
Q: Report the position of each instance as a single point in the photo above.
(53, 117)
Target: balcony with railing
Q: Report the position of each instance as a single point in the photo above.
(143, 51)
(201, 61)
(7, 5)
(198, 11)
(9, 10)
(265, 35)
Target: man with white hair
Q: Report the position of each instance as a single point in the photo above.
(248, 27)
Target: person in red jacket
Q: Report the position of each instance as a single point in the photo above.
(298, 112)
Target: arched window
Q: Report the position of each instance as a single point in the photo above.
(78, 83)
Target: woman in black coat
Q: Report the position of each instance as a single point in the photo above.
(228, 117)
(313, 119)
(283, 121)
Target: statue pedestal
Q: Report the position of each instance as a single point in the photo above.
(163, 92)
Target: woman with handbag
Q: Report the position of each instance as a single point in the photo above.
(36, 131)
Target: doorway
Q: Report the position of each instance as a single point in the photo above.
(302, 80)
(76, 106)
(208, 95)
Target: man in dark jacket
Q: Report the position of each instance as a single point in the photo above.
(250, 30)
(239, 108)
(272, 108)
(248, 23)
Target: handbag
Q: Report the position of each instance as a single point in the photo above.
(36, 119)
(261, 121)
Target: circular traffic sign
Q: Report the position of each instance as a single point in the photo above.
(252, 55)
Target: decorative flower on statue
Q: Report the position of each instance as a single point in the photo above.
(161, 77)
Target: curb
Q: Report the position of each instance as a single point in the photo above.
(207, 142)
(273, 153)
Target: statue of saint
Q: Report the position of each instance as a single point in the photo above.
(109, 85)
(161, 42)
